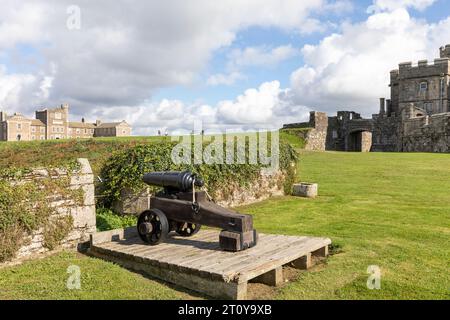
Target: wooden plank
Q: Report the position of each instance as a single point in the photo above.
(252, 257)
(263, 265)
(219, 258)
(200, 257)
(218, 289)
(272, 278)
(322, 252)
(302, 263)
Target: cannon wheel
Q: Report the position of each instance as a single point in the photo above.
(186, 229)
(153, 226)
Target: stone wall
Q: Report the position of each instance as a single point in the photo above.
(83, 214)
(427, 134)
(265, 186)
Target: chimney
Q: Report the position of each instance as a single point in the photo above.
(97, 122)
(82, 120)
(2, 116)
(388, 107)
(382, 106)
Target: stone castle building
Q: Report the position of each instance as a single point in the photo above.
(54, 124)
(415, 119)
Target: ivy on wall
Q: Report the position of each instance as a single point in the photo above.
(25, 207)
(124, 170)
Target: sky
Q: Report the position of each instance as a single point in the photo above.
(248, 64)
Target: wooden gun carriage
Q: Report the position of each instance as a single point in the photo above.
(178, 207)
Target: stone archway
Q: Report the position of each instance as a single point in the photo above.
(359, 141)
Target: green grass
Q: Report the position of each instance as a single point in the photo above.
(386, 209)
(47, 279)
(295, 136)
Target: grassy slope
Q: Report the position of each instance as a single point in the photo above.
(390, 210)
(54, 152)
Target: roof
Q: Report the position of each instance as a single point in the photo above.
(35, 122)
(81, 125)
(111, 124)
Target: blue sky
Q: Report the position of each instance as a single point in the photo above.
(159, 65)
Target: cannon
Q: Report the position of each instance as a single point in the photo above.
(180, 208)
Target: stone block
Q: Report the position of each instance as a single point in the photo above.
(83, 216)
(307, 190)
(81, 179)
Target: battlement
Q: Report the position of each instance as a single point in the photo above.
(445, 51)
(422, 69)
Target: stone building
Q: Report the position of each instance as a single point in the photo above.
(415, 119)
(54, 124)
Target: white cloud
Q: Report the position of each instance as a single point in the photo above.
(390, 5)
(350, 70)
(224, 79)
(258, 108)
(260, 56)
(127, 49)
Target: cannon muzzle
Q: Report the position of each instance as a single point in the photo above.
(173, 180)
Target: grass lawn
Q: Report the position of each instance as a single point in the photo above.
(386, 209)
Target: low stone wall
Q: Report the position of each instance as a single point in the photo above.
(434, 136)
(265, 186)
(83, 214)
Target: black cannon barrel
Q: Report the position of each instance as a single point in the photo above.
(181, 181)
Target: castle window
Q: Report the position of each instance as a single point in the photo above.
(423, 86)
(19, 126)
(335, 134)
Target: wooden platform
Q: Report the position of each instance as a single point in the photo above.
(197, 263)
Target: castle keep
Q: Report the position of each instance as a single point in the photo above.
(54, 124)
(415, 119)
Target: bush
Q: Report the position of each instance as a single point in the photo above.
(108, 220)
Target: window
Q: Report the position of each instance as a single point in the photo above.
(62, 129)
(33, 137)
(335, 134)
(33, 129)
(42, 129)
(57, 115)
(423, 86)
(78, 131)
(54, 129)
(42, 138)
(85, 131)
(19, 126)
